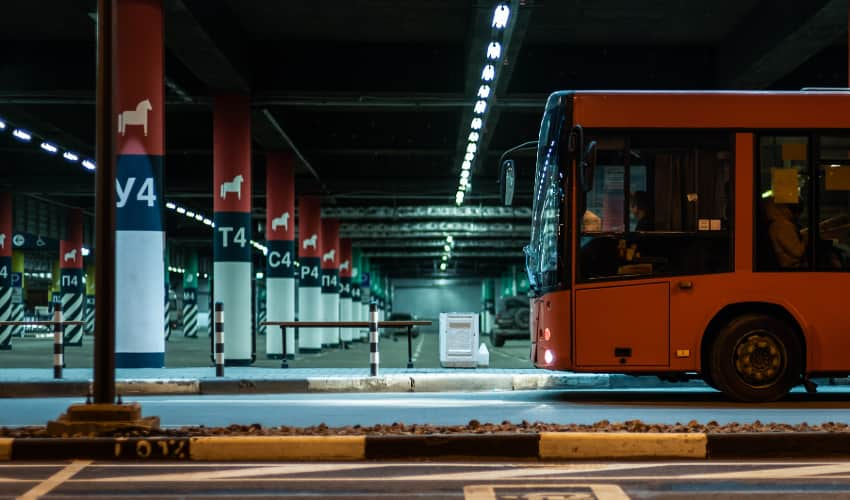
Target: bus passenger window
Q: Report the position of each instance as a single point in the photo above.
(832, 245)
(658, 206)
(782, 226)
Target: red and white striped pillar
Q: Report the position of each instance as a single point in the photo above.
(309, 272)
(140, 148)
(71, 276)
(280, 260)
(345, 303)
(330, 280)
(232, 217)
(6, 269)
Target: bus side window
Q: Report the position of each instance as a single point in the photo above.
(783, 219)
(833, 204)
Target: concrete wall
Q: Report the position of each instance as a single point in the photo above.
(428, 298)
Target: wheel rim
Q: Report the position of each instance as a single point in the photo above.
(760, 359)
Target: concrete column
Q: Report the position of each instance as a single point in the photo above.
(139, 241)
(190, 296)
(356, 307)
(309, 259)
(488, 306)
(260, 305)
(232, 207)
(55, 293)
(90, 302)
(280, 260)
(71, 276)
(365, 286)
(330, 279)
(5, 269)
(18, 292)
(346, 335)
(166, 313)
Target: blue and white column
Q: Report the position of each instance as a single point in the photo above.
(232, 209)
(71, 276)
(330, 280)
(310, 283)
(140, 149)
(280, 259)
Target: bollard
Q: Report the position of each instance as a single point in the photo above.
(219, 339)
(58, 344)
(374, 358)
(283, 363)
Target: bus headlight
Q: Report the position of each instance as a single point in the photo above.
(548, 357)
(546, 334)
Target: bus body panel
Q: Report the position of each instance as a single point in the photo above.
(552, 311)
(732, 110)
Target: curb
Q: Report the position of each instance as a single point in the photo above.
(543, 446)
(413, 382)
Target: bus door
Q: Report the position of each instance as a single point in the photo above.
(653, 214)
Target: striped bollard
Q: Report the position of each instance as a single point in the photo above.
(58, 344)
(166, 316)
(219, 339)
(374, 358)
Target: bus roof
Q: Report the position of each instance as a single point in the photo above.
(710, 109)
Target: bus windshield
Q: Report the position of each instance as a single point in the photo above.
(542, 252)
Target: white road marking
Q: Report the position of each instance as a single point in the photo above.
(418, 347)
(55, 480)
(600, 491)
(810, 471)
(243, 472)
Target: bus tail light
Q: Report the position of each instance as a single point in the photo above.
(548, 357)
(547, 334)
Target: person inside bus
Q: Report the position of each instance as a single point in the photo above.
(641, 212)
(789, 244)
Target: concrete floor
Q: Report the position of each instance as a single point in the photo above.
(180, 351)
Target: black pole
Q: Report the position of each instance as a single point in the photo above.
(410, 346)
(104, 316)
(283, 363)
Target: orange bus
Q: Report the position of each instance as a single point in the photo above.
(693, 234)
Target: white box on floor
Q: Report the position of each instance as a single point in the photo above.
(458, 340)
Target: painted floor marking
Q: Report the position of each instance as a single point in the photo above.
(243, 472)
(55, 480)
(600, 491)
(418, 348)
(810, 471)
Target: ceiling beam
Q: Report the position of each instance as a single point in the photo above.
(436, 255)
(438, 243)
(777, 37)
(205, 39)
(441, 212)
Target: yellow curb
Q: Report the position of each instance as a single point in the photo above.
(568, 445)
(278, 448)
(6, 449)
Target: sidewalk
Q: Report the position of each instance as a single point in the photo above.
(32, 382)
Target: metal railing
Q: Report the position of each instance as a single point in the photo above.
(347, 324)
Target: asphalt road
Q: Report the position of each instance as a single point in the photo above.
(832, 404)
(467, 481)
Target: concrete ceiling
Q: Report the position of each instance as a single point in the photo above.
(376, 95)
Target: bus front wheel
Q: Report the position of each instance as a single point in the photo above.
(756, 358)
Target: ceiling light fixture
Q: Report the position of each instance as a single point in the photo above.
(480, 107)
(22, 135)
(70, 156)
(488, 73)
(484, 91)
(500, 16)
(494, 51)
(50, 148)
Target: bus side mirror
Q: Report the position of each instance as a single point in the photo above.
(507, 182)
(586, 165)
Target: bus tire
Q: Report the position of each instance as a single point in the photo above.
(756, 358)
